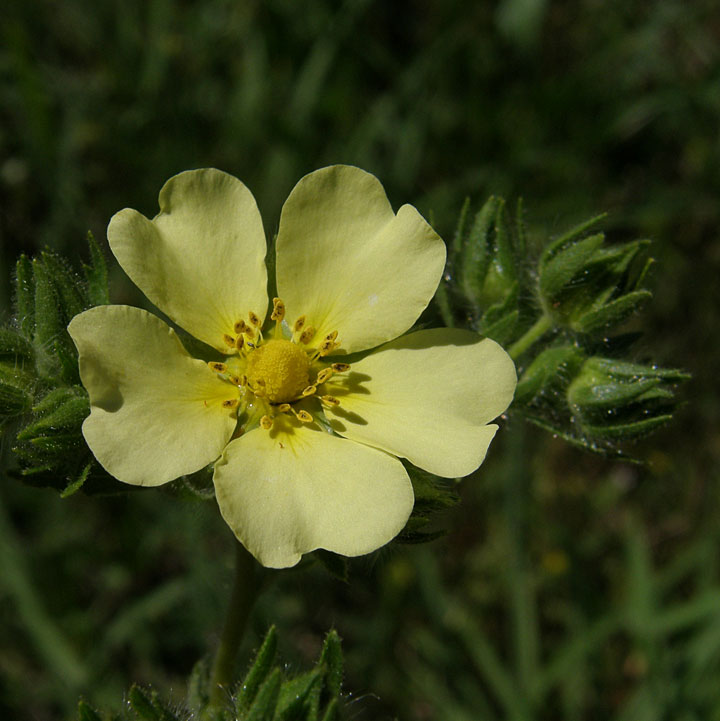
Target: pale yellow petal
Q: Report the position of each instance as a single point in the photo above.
(427, 397)
(201, 260)
(155, 412)
(285, 494)
(346, 262)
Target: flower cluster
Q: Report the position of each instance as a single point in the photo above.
(304, 413)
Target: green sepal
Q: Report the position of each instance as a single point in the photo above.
(148, 706)
(266, 700)
(16, 387)
(261, 667)
(432, 495)
(198, 695)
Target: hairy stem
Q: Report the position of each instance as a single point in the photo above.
(244, 592)
(541, 326)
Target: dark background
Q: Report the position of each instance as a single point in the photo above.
(613, 610)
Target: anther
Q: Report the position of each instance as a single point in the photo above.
(230, 403)
(299, 324)
(266, 422)
(243, 381)
(330, 400)
(307, 335)
(284, 408)
(304, 417)
(240, 342)
(254, 320)
(240, 326)
(327, 347)
(309, 391)
(217, 367)
(331, 336)
(278, 310)
(229, 340)
(324, 375)
(235, 380)
(341, 367)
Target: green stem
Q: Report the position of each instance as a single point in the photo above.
(244, 592)
(541, 326)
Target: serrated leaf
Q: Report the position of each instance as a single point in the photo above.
(263, 707)
(96, 274)
(627, 430)
(258, 672)
(25, 296)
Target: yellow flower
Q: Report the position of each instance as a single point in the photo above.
(304, 443)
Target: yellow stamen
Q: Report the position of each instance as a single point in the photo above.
(324, 375)
(235, 380)
(278, 313)
(240, 326)
(309, 391)
(230, 403)
(229, 340)
(266, 422)
(330, 400)
(304, 417)
(299, 324)
(217, 367)
(240, 342)
(254, 320)
(284, 408)
(307, 335)
(341, 367)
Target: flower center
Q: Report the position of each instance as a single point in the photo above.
(280, 368)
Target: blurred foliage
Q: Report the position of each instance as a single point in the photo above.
(265, 693)
(569, 587)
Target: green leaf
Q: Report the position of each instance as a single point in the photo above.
(331, 658)
(15, 349)
(77, 484)
(294, 696)
(96, 274)
(474, 254)
(148, 706)
(612, 313)
(87, 712)
(332, 712)
(557, 272)
(68, 286)
(25, 296)
(263, 707)
(258, 672)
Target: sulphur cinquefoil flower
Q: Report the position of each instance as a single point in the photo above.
(304, 443)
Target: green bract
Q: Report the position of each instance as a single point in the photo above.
(296, 468)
